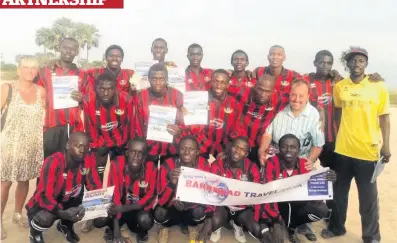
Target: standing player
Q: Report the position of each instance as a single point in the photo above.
(60, 191)
(260, 105)
(114, 55)
(223, 115)
(60, 122)
(171, 211)
(235, 165)
(197, 78)
(363, 136)
(159, 49)
(134, 180)
(159, 94)
(240, 78)
(284, 77)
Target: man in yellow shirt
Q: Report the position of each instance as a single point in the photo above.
(363, 139)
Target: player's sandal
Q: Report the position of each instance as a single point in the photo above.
(327, 234)
(311, 236)
(19, 220)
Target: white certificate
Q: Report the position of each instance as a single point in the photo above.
(62, 87)
(195, 104)
(140, 78)
(97, 202)
(176, 79)
(159, 118)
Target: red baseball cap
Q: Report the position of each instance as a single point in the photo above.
(356, 51)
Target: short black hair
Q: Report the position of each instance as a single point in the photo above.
(158, 67)
(188, 137)
(277, 46)
(222, 71)
(239, 52)
(138, 139)
(114, 47)
(194, 45)
(289, 136)
(323, 53)
(106, 77)
(160, 39)
(69, 39)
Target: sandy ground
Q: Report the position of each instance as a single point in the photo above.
(387, 185)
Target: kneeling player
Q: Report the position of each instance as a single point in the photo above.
(287, 164)
(235, 165)
(134, 180)
(60, 191)
(171, 211)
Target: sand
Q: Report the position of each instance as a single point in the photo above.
(387, 186)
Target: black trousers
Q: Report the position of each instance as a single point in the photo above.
(299, 213)
(175, 217)
(348, 168)
(328, 159)
(55, 139)
(101, 157)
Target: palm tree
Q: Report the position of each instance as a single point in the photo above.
(88, 36)
(43, 36)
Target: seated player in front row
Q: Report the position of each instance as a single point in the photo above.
(287, 164)
(170, 211)
(134, 180)
(60, 191)
(235, 165)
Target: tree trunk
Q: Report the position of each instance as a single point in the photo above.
(88, 50)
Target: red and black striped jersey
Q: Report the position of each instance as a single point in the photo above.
(321, 96)
(255, 117)
(123, 77)
(199, 82)
(129, 189)
(109, 126)
(273, 171)
(62, 117)
(223, 125)
(58, 184)
(283, 81)
(172, 98)
(167, 192)
(248, 172)
(236, 84)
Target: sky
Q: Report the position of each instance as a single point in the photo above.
(222, 26)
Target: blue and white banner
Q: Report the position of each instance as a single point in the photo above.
(205, 188)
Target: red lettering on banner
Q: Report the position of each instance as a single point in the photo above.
(188, 183)
(50, 4)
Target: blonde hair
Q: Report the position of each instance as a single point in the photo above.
(28, 61)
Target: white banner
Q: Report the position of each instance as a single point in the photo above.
(97, 202)
(159, 118)
(195, 105)
(176, 79)
(140, 78)
(62, 87)
(205, 188)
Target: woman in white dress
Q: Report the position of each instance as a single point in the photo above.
(21, 136)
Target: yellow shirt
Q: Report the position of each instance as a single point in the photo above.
(359, 135)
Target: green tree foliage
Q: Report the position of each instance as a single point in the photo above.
(8, 67)
(49, 38)
(42, 58)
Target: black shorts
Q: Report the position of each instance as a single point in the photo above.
(130, 219)
(233, 215)
(328, 156)
(55, 139)
(72, 202)
(177, 217)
